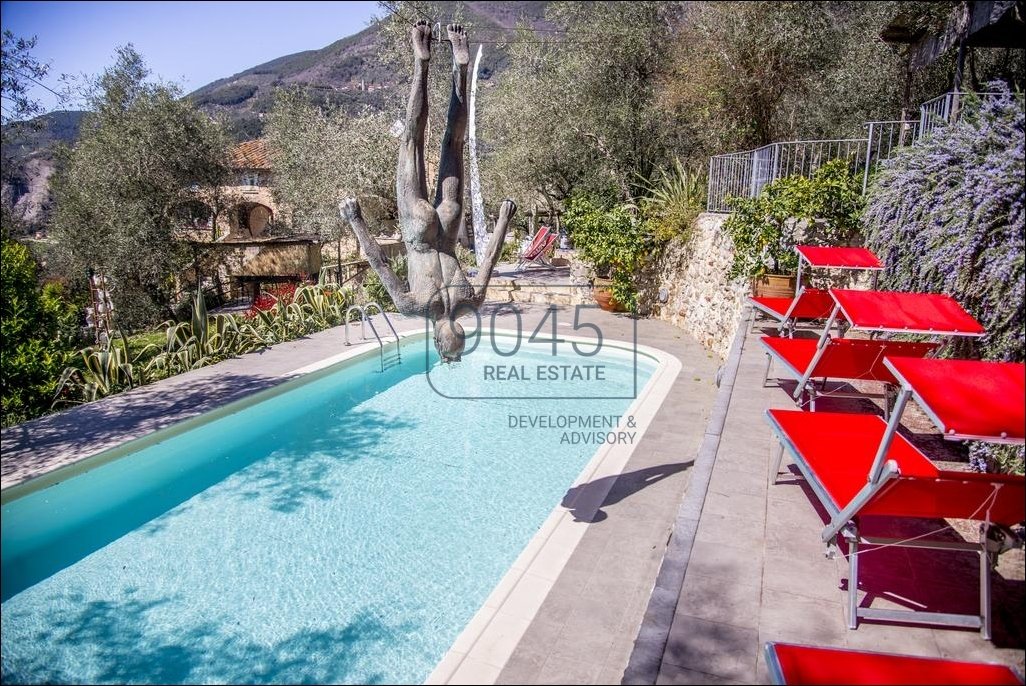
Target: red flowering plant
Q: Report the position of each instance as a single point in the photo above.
(285, 293)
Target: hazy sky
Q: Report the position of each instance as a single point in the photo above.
(192, 43)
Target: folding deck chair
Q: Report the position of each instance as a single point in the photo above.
(537, 250)
(873, 312)
(810, 304)
(858, 465)
(788, 663)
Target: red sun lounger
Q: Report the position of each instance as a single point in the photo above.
(810, 304)
(842, 359)
(933, 314)
(889, 312)
(539, 256)
(968, 399)
(859, 465)
(810, 665)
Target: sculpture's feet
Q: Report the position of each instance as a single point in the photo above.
(350, 209)
(420, 36)
(460, 44)
(507, 209)
(450, 339)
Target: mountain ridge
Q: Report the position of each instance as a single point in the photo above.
(344, 73)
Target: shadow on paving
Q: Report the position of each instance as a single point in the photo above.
(923, 579)
(580, 499)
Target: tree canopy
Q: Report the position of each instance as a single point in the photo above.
(142, 152)
(322, 155)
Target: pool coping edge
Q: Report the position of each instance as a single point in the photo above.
(488, 640)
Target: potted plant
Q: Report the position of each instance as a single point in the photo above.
(765, 229)
(612, 241)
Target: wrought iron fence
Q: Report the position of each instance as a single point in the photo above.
(744, 174)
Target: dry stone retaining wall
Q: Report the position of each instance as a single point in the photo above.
(701, 300)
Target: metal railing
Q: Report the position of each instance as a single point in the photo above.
(365, 318)
(744, 174)
(947, 108)
(883, 138)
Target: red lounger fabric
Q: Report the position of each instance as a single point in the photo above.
(812, 665)
(813, 303)
(839, 448)
(890, 311)
(969, 397)
(844, 358)
(536, 242)
(839, 258)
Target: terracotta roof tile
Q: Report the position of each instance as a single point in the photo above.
(251, 155)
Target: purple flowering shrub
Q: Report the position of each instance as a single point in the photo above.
(947, 215)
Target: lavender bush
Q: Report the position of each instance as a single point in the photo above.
(947, 215)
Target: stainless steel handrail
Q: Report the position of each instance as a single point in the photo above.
(387, 321)
(363, 318)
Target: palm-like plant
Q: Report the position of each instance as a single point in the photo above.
(672, 201)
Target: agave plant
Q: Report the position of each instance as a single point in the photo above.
(106, 369)
(325, 305)
(203, 340)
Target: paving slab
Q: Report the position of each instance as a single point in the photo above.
(759, 574)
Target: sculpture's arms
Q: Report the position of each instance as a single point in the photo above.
(484, 272)
(350, 209)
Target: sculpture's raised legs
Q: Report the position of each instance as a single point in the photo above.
(418, 221)
(438, 288)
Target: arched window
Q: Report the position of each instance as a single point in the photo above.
(254, 218)
(194, 214)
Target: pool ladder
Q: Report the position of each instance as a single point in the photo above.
(391, 360)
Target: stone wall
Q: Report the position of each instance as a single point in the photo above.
(701, 300)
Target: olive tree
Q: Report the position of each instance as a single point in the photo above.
(321, 155)
(143, 151)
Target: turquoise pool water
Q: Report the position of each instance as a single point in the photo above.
(333, 533)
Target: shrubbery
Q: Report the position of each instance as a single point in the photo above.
(612, 239)
(947, 215)
(763, 228)
(38, 333)
(103, 370)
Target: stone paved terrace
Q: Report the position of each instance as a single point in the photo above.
(757, 572)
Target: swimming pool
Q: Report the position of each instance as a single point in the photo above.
(332, 531)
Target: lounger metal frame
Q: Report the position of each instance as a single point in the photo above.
(883, 474)
(787, 326)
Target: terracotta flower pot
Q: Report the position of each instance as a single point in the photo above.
(603, 295)
(774, 286)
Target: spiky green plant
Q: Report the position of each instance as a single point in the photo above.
(672, 201)
(106, 369)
